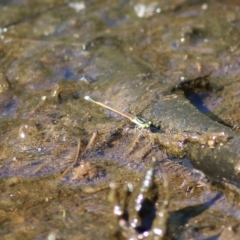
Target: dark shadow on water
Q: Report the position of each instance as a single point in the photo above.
(198, 101)
(180, 218)
(197, 91)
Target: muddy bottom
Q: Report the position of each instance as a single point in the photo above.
(72, 203)
(174, 65)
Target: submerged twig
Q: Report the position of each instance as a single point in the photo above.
(66, 171)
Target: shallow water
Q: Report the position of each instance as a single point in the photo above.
(59, 152)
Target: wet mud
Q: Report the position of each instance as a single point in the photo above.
(174, 63)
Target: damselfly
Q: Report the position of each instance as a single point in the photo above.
(141, 123)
